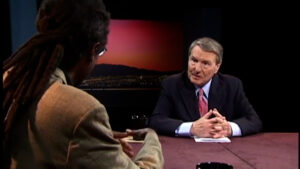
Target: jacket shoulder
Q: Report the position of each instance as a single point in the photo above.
(227, 79)
(173, 79)
(65, 100)
(74, 94)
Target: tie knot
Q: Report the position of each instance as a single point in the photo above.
(201, 93)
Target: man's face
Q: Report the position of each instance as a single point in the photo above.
(201, 66)
(87, 64)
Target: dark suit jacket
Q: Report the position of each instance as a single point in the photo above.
(178, 103)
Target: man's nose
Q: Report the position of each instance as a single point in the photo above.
(198, 67)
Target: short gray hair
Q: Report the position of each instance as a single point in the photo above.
(208, 45)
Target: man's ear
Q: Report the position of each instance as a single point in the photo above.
(218, 67)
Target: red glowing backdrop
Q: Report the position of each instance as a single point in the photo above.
(144, 44)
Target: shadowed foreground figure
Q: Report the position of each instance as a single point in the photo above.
(48, 122)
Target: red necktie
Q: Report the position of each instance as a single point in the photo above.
(202, 103)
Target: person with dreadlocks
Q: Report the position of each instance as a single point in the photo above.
(48, 122)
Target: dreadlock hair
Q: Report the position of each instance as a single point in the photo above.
(66, 30)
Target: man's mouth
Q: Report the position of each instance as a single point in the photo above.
(196, 76)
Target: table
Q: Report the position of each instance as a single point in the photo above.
(259, 151)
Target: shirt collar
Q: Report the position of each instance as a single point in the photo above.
(205, 88)
(58, 74)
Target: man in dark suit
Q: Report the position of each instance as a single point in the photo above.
(179, 111)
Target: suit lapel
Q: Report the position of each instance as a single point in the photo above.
(215, 94)
(189, 99)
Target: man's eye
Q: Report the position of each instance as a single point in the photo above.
(206, 63)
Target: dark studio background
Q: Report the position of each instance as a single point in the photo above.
(260, 47)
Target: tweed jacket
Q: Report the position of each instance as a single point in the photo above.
(178, 103)
(68, 128)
